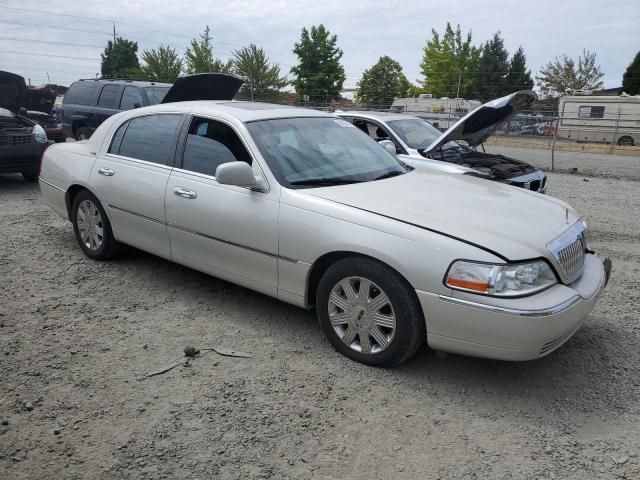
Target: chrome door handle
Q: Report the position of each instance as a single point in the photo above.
(107, 172)
(184, 192)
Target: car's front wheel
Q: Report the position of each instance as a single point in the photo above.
(369, 312)
(92, 228)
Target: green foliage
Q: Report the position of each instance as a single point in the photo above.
(562, 76)
(163, 64)
(518, 78)
(319, 73)
(447, 61)
(405, 87)
(262, 79)
(120, 59)
(199, 56)
(631, 78)
(381, 83)
(491, 77)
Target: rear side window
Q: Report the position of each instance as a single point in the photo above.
(209, 144)
(109, 96)
(82, 93)
(147, 138)
(131, 97)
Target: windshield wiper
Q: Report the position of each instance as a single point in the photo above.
(395, 173)
(324, 181)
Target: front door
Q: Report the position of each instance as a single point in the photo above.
(230, 232)
(131, 177)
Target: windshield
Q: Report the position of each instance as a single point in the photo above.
(321, 151)
(156, 94)
(417, 133)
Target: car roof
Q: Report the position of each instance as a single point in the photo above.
(382, 116)
(242, 111)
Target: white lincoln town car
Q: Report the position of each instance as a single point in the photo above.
(301, 205)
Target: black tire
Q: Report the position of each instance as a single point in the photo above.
(30, 177)
(626, 141)
(109, 247)
(410, 330)
(83, 133)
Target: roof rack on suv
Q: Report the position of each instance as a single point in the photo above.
(128, 80)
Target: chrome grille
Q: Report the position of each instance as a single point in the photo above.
(569, 251)
(572, 257)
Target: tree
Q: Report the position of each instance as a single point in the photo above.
(518, 78)
(562, 76)
(381, 83)
(262, 79)
(199, 56)
(405, 87)
(491, 77)
(120, 59)
(631, 78)
(449, 63)
(319, 73)
(163, 64)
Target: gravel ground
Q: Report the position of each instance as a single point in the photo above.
(598, 164)
(77, 336)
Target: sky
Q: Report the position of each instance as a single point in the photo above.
(40, 38)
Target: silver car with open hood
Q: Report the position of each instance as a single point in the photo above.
(300, 205)
(417, 142)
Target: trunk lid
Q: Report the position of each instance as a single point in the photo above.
(204, 86)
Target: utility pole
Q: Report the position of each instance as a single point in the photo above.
(114, 31)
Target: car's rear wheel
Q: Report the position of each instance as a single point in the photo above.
(83, 133)
(369, 312)
(30, 176)
(92, 228)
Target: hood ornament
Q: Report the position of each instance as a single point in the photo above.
(566, 215)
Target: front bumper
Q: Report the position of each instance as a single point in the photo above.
(513, 329)
(21, 158)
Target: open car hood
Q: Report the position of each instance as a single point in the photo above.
(12, 91)
(475, 127)
(204, 86)
(39, 100)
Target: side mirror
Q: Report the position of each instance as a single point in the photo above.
(389, 146)
(136, 105)
(239, 174)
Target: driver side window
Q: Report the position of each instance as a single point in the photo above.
(209, 144)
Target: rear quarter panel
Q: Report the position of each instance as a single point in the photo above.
(64, 165)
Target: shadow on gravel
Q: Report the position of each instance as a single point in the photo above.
(15, 183)
(584, 374)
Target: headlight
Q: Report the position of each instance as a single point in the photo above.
(501, 280)
(40, 134)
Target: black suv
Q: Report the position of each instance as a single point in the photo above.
(88, 103)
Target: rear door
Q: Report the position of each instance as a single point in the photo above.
(130, 179)
(228, 231)
(108, 103)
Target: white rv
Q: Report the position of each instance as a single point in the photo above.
(600, 118)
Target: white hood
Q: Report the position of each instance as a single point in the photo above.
(475, 127)
(515, 223)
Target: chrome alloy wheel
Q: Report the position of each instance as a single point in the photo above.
(362, 315)
(90, 226)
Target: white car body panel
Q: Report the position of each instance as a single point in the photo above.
(270, 240)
